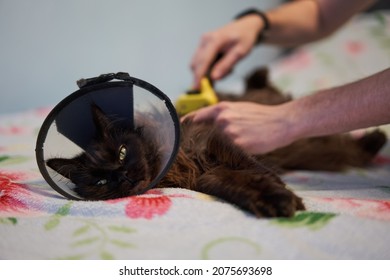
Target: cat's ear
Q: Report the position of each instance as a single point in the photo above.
(100, 120)
(258, 79)
(63, 166)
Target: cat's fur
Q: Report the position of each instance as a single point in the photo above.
(208, 161)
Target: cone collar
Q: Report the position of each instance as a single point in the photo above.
(69, 128)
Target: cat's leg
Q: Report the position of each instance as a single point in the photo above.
(231, 174)
(261, 193)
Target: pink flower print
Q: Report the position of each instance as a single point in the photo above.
(10, 192)
(13, 130)
(354, 47)
(297, 61)
(43, 112)
(367, 208)
(149, 205)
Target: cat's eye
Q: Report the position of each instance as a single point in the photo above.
(101, 182)
(122, 153)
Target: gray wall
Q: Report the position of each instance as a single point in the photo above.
(46, 45)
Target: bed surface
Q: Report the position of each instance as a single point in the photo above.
(347, 217)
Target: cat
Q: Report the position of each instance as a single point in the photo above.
(122, 161)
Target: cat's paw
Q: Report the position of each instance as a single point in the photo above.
(276, 202)
(373, 142)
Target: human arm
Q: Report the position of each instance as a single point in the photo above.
(259, 129)
(291, 24)
(360, 104)
(303, 21)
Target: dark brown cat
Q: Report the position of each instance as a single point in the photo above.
(122, 161)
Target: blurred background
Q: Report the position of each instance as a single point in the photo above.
(47, 45)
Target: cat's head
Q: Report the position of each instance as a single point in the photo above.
(119, 162)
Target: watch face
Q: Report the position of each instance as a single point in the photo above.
(108, 140)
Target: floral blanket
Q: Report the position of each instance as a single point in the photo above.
(348, 214)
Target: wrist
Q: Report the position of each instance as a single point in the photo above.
(260, 20)
(297, 125)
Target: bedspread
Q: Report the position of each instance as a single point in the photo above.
(347, 216)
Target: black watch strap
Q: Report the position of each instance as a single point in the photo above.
(252, 11)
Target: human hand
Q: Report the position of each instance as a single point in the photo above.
(258, 129)
(234, 40)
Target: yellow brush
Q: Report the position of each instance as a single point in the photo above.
(195, 99)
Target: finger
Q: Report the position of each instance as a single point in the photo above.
(204, 56)
(186, 117)
(227, 62)
(206, 113)
(196, 68)
(191, 115)
(199, 60)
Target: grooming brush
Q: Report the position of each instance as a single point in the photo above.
(195, 99)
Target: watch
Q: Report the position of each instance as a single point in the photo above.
(262, 15)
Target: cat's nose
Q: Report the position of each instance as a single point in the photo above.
(129, 180)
